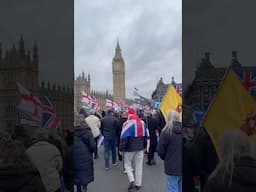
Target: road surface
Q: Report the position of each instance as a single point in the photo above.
(114, 180)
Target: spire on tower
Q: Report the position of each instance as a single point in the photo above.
(117, 45)
(173, 82)
(35, 54)
(235, 62)
(83, 74)
(118, 54)
(21, 46)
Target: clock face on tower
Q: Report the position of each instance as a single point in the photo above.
(117, 66)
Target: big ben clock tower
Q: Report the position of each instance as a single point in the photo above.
(118, 70)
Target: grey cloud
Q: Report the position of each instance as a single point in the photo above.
(219, 27)
(150, 38)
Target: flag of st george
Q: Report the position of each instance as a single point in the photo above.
(29, 103)
(229, 108)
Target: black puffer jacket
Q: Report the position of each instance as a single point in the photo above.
(170, 150)
(83, 148)
(109, 127)
(14, 179)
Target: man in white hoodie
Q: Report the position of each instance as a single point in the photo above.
(47, 159)
(94, 123)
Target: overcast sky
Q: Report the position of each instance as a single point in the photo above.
(149, 33)
(219, 27)
(51, 26)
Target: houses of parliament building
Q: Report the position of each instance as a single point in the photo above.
(20, 65)
(83, 83)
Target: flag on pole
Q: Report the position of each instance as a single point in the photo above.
(95, 106)
(229, 109)
(110, 104)
(86, 98)
(49, 117)
(248, 78)
(90, 101)
(29, 103)
(178, 87)
(170, 101)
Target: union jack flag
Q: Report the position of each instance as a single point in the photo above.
(94, 105)
(49, 117)
(87, 98)
(91, 101)
(248, 78)
(178, 87)
(110, 104)
(134, 128)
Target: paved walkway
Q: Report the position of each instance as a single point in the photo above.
(114, 180)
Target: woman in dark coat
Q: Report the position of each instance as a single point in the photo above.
(170, 150)
(84, 146)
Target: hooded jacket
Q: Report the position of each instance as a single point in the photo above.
(94, 123)
(170, 150)
(84, 146)
(47, 159)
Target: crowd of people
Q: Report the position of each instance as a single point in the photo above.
(36, 159)
(191, 163)
(223, 166)
(128, 135)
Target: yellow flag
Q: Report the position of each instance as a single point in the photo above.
(170, 101)
(229, 109)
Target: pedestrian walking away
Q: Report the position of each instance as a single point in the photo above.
(109, 127)
(170, 150)
(134, 141)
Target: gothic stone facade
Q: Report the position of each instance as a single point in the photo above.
(83, 83)
(161, 89)
(17, 65)
(207, 79)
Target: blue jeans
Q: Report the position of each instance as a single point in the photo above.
(109, 144)
(174, 183)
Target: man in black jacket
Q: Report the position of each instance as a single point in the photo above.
(152, 126)
(109, 127)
